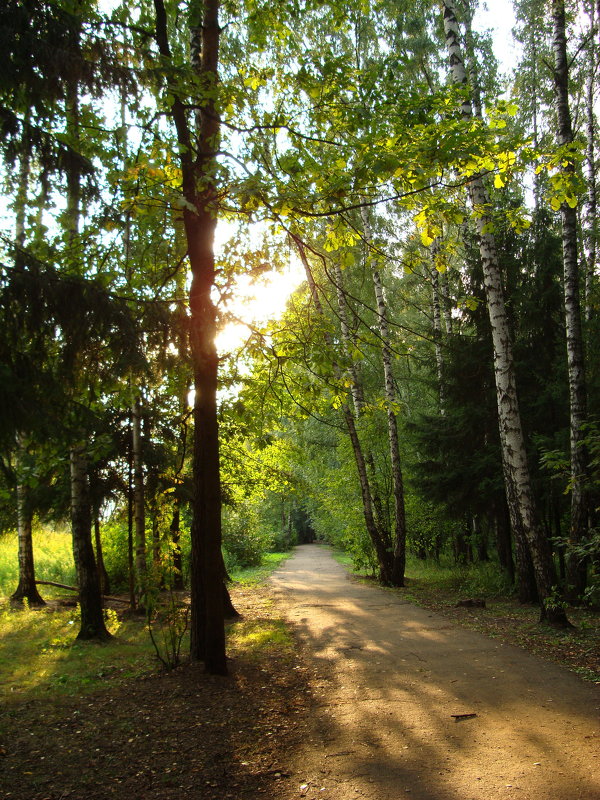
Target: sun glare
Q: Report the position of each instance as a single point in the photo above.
(256, 301)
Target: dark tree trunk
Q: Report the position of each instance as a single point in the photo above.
(480, 540)
(139, 509)
(90, 598)
(130, 543)
(102, 573)
(503, 543)
(576, 567)
(27, 589)
(197, 160)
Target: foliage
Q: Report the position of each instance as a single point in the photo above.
(245, 539)
(167, 620)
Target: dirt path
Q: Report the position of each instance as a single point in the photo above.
(388, 677)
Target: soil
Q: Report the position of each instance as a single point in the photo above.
(379, 700)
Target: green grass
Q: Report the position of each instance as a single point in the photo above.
(39, 653)
(255, 575)
(53, 554)
(256, 636)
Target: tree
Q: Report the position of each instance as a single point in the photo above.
(197, 153)
(576, 567)
(518, 482)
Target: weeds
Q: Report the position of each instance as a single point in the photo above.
(167, 621)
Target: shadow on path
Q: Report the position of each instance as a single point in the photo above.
(388, 678)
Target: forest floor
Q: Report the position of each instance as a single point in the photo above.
(337, 690)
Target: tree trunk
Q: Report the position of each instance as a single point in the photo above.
(197, 159)
(501, 525)
(103, 578)
(436, 308)
(26, 590)
(177, 578)
(139, 514)
(382, 549)
(358, 401)
(576, 567)
(516, 470)
(90, 597)
(130, 538)
(399, 544)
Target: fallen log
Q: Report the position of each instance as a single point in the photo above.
(75, 589)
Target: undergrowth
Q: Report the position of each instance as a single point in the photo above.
(40, 656)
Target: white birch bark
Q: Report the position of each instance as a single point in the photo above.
(139, 514)
(516, 469)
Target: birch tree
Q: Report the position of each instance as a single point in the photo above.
(519, 490)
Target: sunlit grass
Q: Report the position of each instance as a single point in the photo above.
(39, 653)
(253, 637)
(53, 555)
(254, 575)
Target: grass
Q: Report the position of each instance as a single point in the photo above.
(40, 656)
(53, 553)
(256, 575)
(255, 637)
(39, 653)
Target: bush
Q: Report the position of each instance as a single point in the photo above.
(245, 540)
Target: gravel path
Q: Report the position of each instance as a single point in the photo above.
(388, 678)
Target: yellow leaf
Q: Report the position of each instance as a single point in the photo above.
(498, 182)
(555, 203)
(426, 239)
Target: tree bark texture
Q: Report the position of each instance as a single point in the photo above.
(436, 308)
(175, 531)
(592, 203)
(399, 542)
(576, 567)
(358, 401)
(26, 589)
(139, 514)
(198, 147)
(90, 597)
(102, 573)
(519, 491)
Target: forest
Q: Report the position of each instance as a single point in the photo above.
(429, 395)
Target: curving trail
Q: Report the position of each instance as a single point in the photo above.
(388, 677)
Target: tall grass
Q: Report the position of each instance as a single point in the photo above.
(53, 557)
(482, 579)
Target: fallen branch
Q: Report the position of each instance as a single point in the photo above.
(459, 717)
(75, 589)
